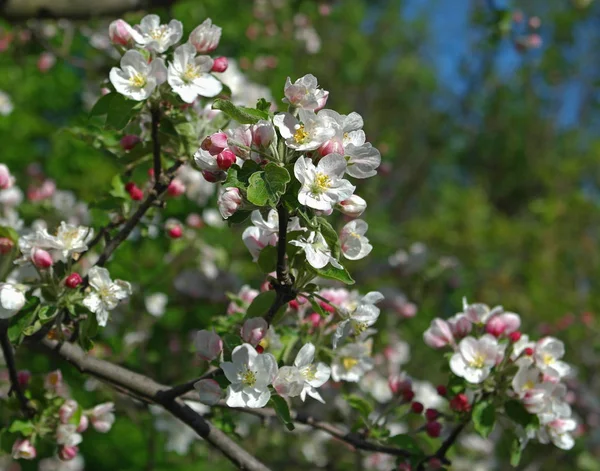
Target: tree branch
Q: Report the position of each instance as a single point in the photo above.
(181, 389)
(445, 446)
(9, 358)
(147, 389)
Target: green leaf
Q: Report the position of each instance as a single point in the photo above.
(232, 178)
(276, 178)
(241, 114)
(484, 418)
(238, 217)
(257, 190)
(261, 304)
(516, 411)
(331, 236)
(263, 105)
(317, 307)
(24, 427)
(406, 442)
(359, 404)
(22, 320)
(118, 188)
(267, 260)
(9, 233)
(120, 111)
(101, 106)
(332, 273)
(516, 450)
(249, 168)
(282, 410)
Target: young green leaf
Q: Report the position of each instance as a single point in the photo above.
(241, 114)
(261, 304)
(283, 411)
(332, 273)
(484, 418)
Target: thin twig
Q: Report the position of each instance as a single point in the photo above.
(9, 359)
(445, 446)
(181, 389)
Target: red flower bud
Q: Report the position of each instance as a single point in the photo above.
(176, 188)
(6, 245)
(417, 407)
(220, 64)
(433, 429)
(431, 414)
(225, 159)
(515, 336)
(129, 141)
(175, 232)
(528, 351)
(260, 348)
(136, 193)
(73, 280)
(460, 403)
(41, 258)
(442, 390)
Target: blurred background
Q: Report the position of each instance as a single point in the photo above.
(486, 114)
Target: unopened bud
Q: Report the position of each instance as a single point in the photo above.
(67, 453)
(225, 159)
(433, 429)
(353, 206)
(215, 143)
(41, 258)
(129, 141)
(73, 280)
(119, 32)
(6, 245)
(176, 188)
(220, 64)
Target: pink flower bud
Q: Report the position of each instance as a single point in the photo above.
(263, 133)
(433, 429)
(431, 414)
(83, 424)
(460, 403)
(213, 177)
(434, 463)
(225, 159)
(254, 330)
(23, 449)
(176, 188)
(209, 391)
(136, 193)
(229, 201)
(417, 407)
(503, 324)
(175, 231)
(398, 384)
(46, 61)
(129, 141)
(67, 410)
(220, 64)
(6, 179)
(208, 345)
(314, 319)
(23, 377)
(215, 143)
(102, 417)
(46, 190)
(353, 206)
(515, 336)
(119, 32)
(41, 258)
(442, 390)
(67, 453)
(460, 325)
(73, 280)
(439, 334)
(6, 245)
(332, 146)
(194, 220)
(535, 22)
(205, 37)
(408, 310)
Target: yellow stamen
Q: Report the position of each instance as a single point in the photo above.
(529, 385)
(321, 184)
(478, 361)
(191, 72)
(138, 80)
(349, 363)
(249, 378)
(300, 135)
(309, 372)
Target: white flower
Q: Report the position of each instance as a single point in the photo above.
(102, 417)
(156, 37)
(439, 334)
(317, 252)
(480, 313)
(315, 375)
(525, 380)
(105, 294)
(205, 37)
(354, 243)
(352, 361)
(6, 105)
(23, 450)
(557, 432)
(323, 185)
(548, 352)
(305, 93)
(358, 321)
(265, 231)
(66, 435)
(250, 374)
(348, 129)
(156, 303)
(476, 358)
(362, 160)
(190, 77)
(136, 79)
(73, 239)
(308, 133)
(520, 345)
(289, 381)
(229, 201)
(6, 179)
(254, 330)
(12, 300)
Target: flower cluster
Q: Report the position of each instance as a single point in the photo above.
(495, 358)
(62, 422)
(143, 68)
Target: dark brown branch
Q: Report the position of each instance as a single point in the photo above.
(181, 389)
(150, 391)
(9, 359)
(284, 287)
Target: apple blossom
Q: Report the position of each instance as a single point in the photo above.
(352, 361)
(264, 232)
(353, 207)
(67, 410)
(176, 188)
(156, 304)
(362, 160)
(460, 325)
(23, 450)
(66, 434)
(136, 79)
(289, 381)
(208, 345)
(557, 432)
(73, 280)
(12, 300)
(190, 77)
(156, 37)
(254, 330)
(439, 334)
(315, 375)
(67, 453)
(102, 417)
(475, 358)
(205, 37)
(263, 133)
(106, 293)
(305, 93)
(323, 185)
(215, 143)
(358, 321)
(41, 259)
(229, 201)
(226, 159)
(307, 133)
(318, 254)
(250, 375)
(355, 245)
(6, 179)
(209, 391)
(220, 64)
(548, 352)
